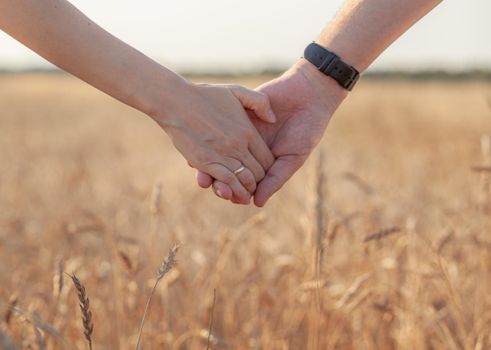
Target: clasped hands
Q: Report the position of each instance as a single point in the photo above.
(246, 144)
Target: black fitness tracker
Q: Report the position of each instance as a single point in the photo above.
(331, 65)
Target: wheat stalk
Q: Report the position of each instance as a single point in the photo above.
(210, 328)
(443, 241)
(318, 237)
(85, 308)
(58, 281)
(166, 266)
(155, 200)
(359, 182)
(485, 171)
(352, 291)
(331, 237)
(319, 232)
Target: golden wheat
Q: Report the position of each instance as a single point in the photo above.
(87, 185)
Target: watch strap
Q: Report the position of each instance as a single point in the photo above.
(331, 65)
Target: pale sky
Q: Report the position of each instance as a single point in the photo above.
(232, 34)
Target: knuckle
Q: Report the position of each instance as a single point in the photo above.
(236, 143)
(249, 135)
(201, 159)
(228, 178)
(249, 181)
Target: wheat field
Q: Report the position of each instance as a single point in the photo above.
(381, 241)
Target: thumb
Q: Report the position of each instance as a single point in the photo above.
(256, 101)
(279, 173)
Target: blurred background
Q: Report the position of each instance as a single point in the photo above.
(244, 36)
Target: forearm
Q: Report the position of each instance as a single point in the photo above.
(207, 124)
(363, 29)
(64, 36)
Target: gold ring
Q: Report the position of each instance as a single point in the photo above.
(238, 171)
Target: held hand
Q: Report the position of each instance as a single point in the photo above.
(303, 100)
(211, 129)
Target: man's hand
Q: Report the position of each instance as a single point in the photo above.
(303, 100)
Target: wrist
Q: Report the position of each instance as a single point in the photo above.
(347, 51)
(158, 93)
(326, 87)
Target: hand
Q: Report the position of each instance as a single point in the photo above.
(303, 100)
(209, 126)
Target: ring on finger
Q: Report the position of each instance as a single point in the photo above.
(239, 170)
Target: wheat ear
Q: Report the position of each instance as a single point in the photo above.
(382, 234)
(166, 266)
(85, 308)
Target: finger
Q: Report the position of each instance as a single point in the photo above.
(253, 165)
(255, 101)
(222, 190)
(248, 180)
(279, 173)
(223, 174)
(261, 152)
(247, 177)
(204, 180)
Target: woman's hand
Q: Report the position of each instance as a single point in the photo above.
(208, 124)
(304, 101)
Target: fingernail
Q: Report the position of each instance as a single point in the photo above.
(219, 193)
(271, 116)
